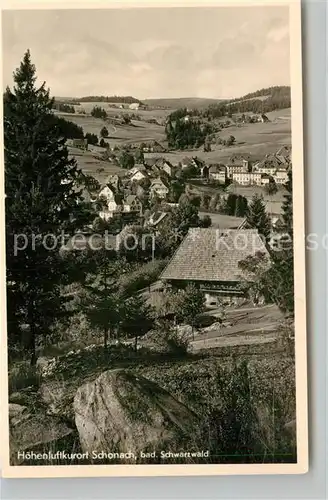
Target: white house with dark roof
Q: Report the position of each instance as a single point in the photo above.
(169, 168)
(132, 204)
(111, 201)
(209, 258)
(158, 188)
(138, 173)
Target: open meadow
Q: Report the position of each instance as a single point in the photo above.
(254, 139)
(136, 131)
(90, 165)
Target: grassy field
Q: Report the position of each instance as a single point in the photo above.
(137, 131)
(112, 111)
(255, 139)
(92, 166)
(273, 203)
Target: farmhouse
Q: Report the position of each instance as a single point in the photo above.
(237, 159)
(187, 162)
(78, 143)
(153, 147)
(268, 165)
(115, 181)
(209, 258)
(155, 160)
(134, 105)
(284, 154)
(158, 188)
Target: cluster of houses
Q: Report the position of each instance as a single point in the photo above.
(115, 201)
(241, 170)
(152, 179)
(152, 146)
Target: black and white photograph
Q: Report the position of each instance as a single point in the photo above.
(155, 276)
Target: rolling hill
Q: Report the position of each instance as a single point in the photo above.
(182, 102)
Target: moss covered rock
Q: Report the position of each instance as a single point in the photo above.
(122, 412)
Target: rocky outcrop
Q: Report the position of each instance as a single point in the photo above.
(35, 432)
(17, 413)
(122, 412)
(55, 395)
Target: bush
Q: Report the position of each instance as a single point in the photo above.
(168, 339)
(21, 375)
(142, 277)
(244, 407)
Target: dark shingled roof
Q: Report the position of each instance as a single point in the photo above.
(213, 255)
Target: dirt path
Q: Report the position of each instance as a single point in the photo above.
(232, 341)
(247, 326)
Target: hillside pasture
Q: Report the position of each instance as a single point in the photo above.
(273, 203)
(111, 110)
(137, 131)
(183, 102)
(90, 165)
(254, 139)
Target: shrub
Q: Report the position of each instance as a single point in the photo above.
(245, 408)
(21, 375)
(168, 339)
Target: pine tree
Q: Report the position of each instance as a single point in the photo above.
(102, 305)
(271, 188)
(136, 317)
(187, 304)
(43, 200)
(257, 217)
(104, 132)
(139, 156)
(287, 207)
(282, 270)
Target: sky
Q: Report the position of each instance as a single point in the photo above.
(218, 52)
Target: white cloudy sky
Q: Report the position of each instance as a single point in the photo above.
(178, 52)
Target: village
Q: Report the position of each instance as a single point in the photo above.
(141, 198)
(153, 299)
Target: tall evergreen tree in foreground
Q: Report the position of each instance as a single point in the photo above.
(258, 218)
(43, 199)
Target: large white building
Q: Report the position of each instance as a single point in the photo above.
(237, 169)
(247, 178)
